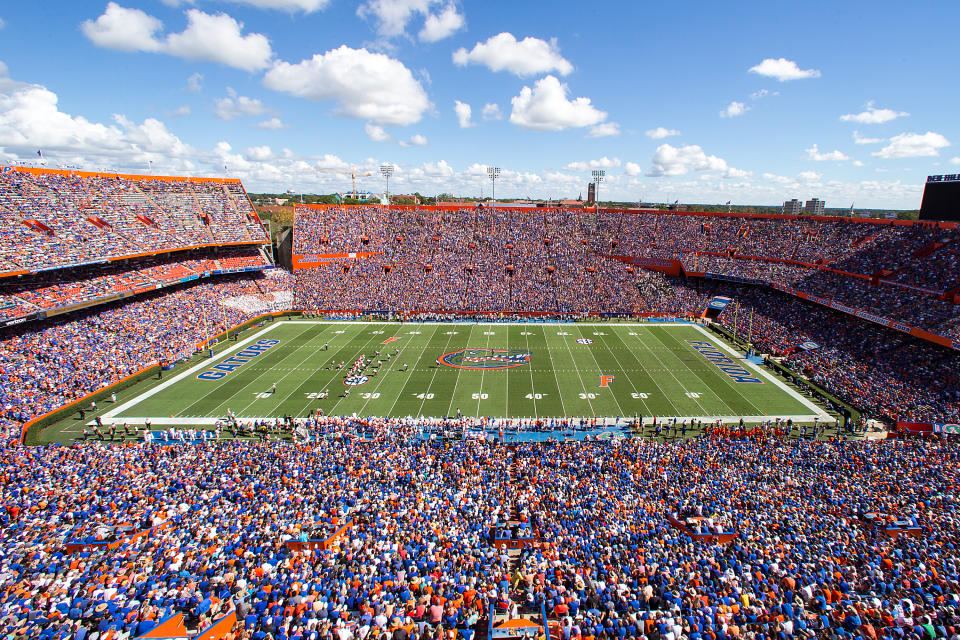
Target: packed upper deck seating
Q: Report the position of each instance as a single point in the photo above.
(56, 218)
(417, 561)
(554, 260)
(25, 295)
(47, 367)
(883, 371)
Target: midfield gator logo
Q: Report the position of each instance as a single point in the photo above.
(483, 359)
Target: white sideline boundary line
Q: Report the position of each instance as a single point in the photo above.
(678, 323)
(819, 412)
(201, 422)
(180, 376)
(111, 417)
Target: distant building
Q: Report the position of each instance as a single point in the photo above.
(792, 207)
(361, 195)
(813, 207)
(591, 192)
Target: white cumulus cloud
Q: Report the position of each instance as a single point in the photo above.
(366, 85)
(814, 153)
(215, 38)
(545, 107)
(235, 106)
(464, 112)
(632, 169)
(416, 140)
(195, 83)
(858, 139)
(661, 132)
(677, 161)
(809, 176)
(491, 111)
(872, 115)
(503, 52)
(376, 133)
(259, 153)
(602, 163)
(306, 6)
(272, 124)
(30, 119)
(913, 145)
(604, 130)
(734, 109)
(783, 70)
(393, 16)
(442, 25)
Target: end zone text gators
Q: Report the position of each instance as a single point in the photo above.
(724, 363)
(238, 359)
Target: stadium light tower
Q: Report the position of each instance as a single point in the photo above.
(494, 173)
(387, 170)
(598, 176)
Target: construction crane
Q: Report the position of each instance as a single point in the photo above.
(352, 173)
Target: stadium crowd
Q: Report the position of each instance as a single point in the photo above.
(553, 260)
(23, 295)
(417, 562)
(59, 218)
(51, 365)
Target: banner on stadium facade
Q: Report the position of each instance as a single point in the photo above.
(666, 266)
(923, 334)
(929, 427)
(719, 303)
(729, 278)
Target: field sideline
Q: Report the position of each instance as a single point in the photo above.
(521, 370)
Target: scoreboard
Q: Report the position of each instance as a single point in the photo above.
(941, 198)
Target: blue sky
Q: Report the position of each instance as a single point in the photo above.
(752, 102)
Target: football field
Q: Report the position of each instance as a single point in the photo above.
(527, 370)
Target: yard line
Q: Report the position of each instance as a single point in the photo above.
(483, 372)
(613, 352)
(730, 383)
(672, 375)
(769, 376)
(646, 370)
(533, 386)
(459, 373)
(433, 377)
(313, 370)
(384, 377)
(553, 370)
(592, 355)
(177, 378)
(336, 375)
(403, 387)
(580, 377)
(310, 353)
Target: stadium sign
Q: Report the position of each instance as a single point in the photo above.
(485, 359)
(237, 360)
(726, 364)
(946, 428)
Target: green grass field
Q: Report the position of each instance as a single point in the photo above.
(552, 370)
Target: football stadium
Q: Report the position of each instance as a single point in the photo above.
(237, 406)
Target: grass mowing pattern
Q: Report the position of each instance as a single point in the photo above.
(656, 373)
